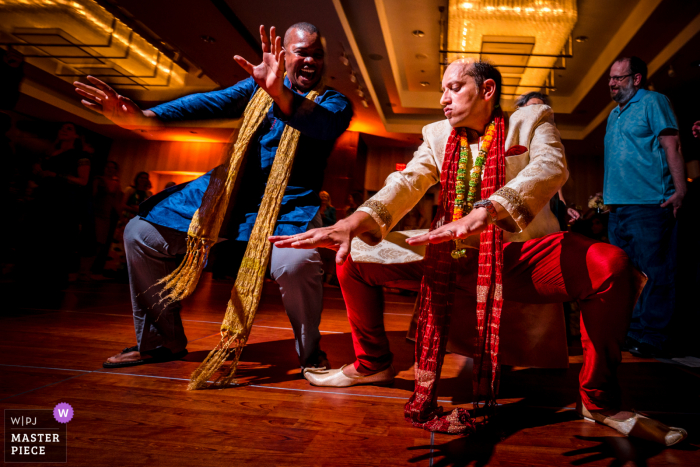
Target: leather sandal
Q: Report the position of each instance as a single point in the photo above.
(337, 379)
(637, 426)
(159, 355)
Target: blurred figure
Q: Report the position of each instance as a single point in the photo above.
(53, 223)
(327, 210)
(414, 220)
(328, 216)
(354, 201)
(169, 184)
(557, 204)
(134, 195)
(107, 198)
(532, 98)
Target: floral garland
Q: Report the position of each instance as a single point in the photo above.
(474, 174)
(474, 178)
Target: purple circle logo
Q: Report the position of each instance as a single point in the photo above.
(63, 412)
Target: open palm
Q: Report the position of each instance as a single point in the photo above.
(103, 99)
(269, 74)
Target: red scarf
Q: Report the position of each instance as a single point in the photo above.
(437, 293)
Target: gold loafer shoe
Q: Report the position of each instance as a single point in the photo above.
(337, 379)
(637, 426)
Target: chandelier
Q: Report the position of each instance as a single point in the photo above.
(523, 38)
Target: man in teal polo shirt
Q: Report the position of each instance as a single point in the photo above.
(644, 186)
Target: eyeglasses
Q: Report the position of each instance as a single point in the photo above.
(619, 79)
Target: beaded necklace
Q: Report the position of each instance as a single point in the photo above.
(474, 174)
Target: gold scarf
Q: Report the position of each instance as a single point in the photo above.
(204, 230)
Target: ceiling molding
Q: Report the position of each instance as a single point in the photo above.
(641, 12)
(396, 125)
(358, 57)
(408, 99)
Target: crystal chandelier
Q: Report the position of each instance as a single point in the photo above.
(524, 38)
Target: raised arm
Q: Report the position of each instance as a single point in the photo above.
(269, 74)
(121, 110)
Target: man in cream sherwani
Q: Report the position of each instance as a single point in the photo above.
(540, 264)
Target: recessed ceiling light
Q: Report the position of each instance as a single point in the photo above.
(424, 83)
(208, 39)
(418, 33)
(364, 104)
(581, 39)
(344, 59)
(375, 57)
(421, 56)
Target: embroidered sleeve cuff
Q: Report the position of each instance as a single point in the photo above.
(379, 213)
(520, 214)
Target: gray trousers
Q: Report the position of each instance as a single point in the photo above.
(152, 253)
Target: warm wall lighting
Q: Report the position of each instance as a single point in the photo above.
(542, 27)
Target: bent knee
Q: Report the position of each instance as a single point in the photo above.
(297, 270)
(609, 260)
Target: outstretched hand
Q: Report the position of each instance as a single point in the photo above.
(474, 223)
(268, 74)
(337, 237)
(103, 99)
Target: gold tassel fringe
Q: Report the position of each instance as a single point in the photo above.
(245, 296)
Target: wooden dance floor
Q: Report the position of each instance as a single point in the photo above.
(144, 416)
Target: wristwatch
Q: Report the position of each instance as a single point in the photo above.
(490, 208)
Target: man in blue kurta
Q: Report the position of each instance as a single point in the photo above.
(644, 186)
(155, 238)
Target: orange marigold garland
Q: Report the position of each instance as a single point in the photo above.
(474, 177)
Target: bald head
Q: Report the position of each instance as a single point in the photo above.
(298, 30)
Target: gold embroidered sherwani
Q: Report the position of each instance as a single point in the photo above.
(532, 335)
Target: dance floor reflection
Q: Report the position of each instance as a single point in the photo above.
(53, 351)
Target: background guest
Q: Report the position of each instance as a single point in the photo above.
(327, 210)
(644, 186)
(107, 199)
(53, 224)
(557, 204)
(134, 195)
(354, 201)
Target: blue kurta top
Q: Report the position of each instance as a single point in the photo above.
(319, 123)
(636, 169)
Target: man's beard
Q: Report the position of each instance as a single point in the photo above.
(624, 94)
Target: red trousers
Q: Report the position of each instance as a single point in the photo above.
(559, 267)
